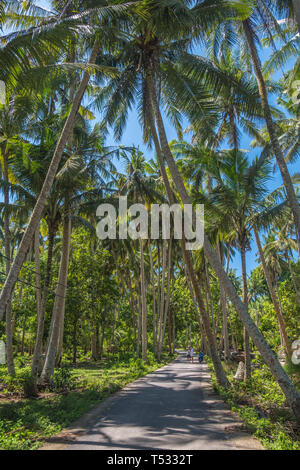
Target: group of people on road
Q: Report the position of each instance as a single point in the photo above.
(190, 355)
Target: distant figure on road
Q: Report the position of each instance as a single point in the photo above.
(188, 356)
(192, 353)
(201, 356)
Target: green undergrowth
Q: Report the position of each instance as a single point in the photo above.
(262, 406)
(26, 423)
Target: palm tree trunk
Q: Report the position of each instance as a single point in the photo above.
(94, 342)
(9, 341)
(74, 340)
(132, 303)
(144, 304)
(277, 309)
(233, 338)
(59, 304)
(287, 386)
(139, 325)
(213, 323)
(224, 313)
(63, 300)
(173, 331)
(247, 356)
(103, 324)
(45, 191)
(37, 271)
(162, 291)
(293, 202)
(153, 298)
(36, 364)
(23, 336)
(158, 294)
(198, 317)
(167, 301)
(8, 318)
(219, 371)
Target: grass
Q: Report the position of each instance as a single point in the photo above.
(262, 407)
(26, 423)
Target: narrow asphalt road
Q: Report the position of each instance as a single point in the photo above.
(172, 408)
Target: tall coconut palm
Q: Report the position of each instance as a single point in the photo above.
(140, 188)
(13, 116)
(263, 16)
(100, 14)
(84, 167)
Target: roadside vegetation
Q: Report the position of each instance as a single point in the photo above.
(26, 423)
(262, 407)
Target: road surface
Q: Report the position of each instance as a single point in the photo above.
(172, 408)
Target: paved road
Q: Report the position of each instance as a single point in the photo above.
(172, 408)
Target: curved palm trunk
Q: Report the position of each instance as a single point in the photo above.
(219, 371)
(293, 202)
(45, 191)
(287, 386)
(59, 305)
(37, 263)
(213, 323)
(36, 364)
(277, 309)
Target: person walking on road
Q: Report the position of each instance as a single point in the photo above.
(188, 356)
(201, 357)
(192, 353)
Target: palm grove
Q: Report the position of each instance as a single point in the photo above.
(72, 74)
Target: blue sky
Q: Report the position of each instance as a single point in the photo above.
(133, 136)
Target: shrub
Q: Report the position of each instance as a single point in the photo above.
(62, 380)
(29, 385)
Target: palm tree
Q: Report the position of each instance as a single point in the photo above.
(86, 165)
(240, 189)
(140, 188)
(13, 116)
(262, 15)
(104, 11)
